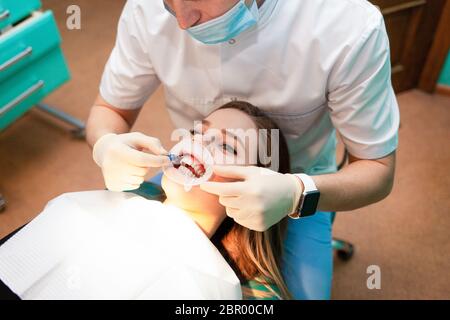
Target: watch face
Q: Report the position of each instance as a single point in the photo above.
(310, 203)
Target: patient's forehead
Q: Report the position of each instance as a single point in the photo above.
(230, 119)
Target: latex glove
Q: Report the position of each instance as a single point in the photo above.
(123, 162)
(260, 199)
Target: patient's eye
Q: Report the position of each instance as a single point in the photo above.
(229, 149)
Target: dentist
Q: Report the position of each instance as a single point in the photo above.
(316, 67)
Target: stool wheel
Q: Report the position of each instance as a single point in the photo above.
(346, 253)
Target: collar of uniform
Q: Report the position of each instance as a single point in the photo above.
(266, 10)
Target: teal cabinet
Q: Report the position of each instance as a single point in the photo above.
(31, 65)
(25, 44)
(31, 85)
(12, 11)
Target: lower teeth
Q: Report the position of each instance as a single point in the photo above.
(184, 170)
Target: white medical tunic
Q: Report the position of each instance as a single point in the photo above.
(313, 66)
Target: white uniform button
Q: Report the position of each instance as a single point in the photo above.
(232, 41)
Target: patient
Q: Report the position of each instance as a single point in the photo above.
(254, 256)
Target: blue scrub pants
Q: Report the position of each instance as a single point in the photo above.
(308, 256)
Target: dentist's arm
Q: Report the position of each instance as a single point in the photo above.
(360, 183)
(124, 158)
(105, 118)
(261, 197)
(128, 80)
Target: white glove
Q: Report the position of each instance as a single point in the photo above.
(123, 162)
(260, 199)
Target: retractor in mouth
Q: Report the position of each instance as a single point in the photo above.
(190, 166)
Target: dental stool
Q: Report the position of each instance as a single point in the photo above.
(344, 249)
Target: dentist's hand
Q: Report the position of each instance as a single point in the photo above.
(260, 199)
(123, 161)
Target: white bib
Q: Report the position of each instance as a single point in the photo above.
(108, 245)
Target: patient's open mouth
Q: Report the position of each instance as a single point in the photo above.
(191, 166)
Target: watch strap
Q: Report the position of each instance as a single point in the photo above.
(309, 186)
(308, 182)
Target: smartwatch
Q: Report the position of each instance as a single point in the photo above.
(309, 199)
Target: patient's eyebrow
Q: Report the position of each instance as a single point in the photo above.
(207, 124)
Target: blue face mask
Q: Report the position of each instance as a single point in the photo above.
(229, 25)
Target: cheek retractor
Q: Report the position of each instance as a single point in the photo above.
(191, 164)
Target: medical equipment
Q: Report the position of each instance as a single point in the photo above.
(32, 64)
(191, 164)
(176, 160)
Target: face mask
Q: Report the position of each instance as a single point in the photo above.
(229, 25)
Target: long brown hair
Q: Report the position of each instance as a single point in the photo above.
(254, 254)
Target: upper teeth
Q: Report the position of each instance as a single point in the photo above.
(189, 161)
